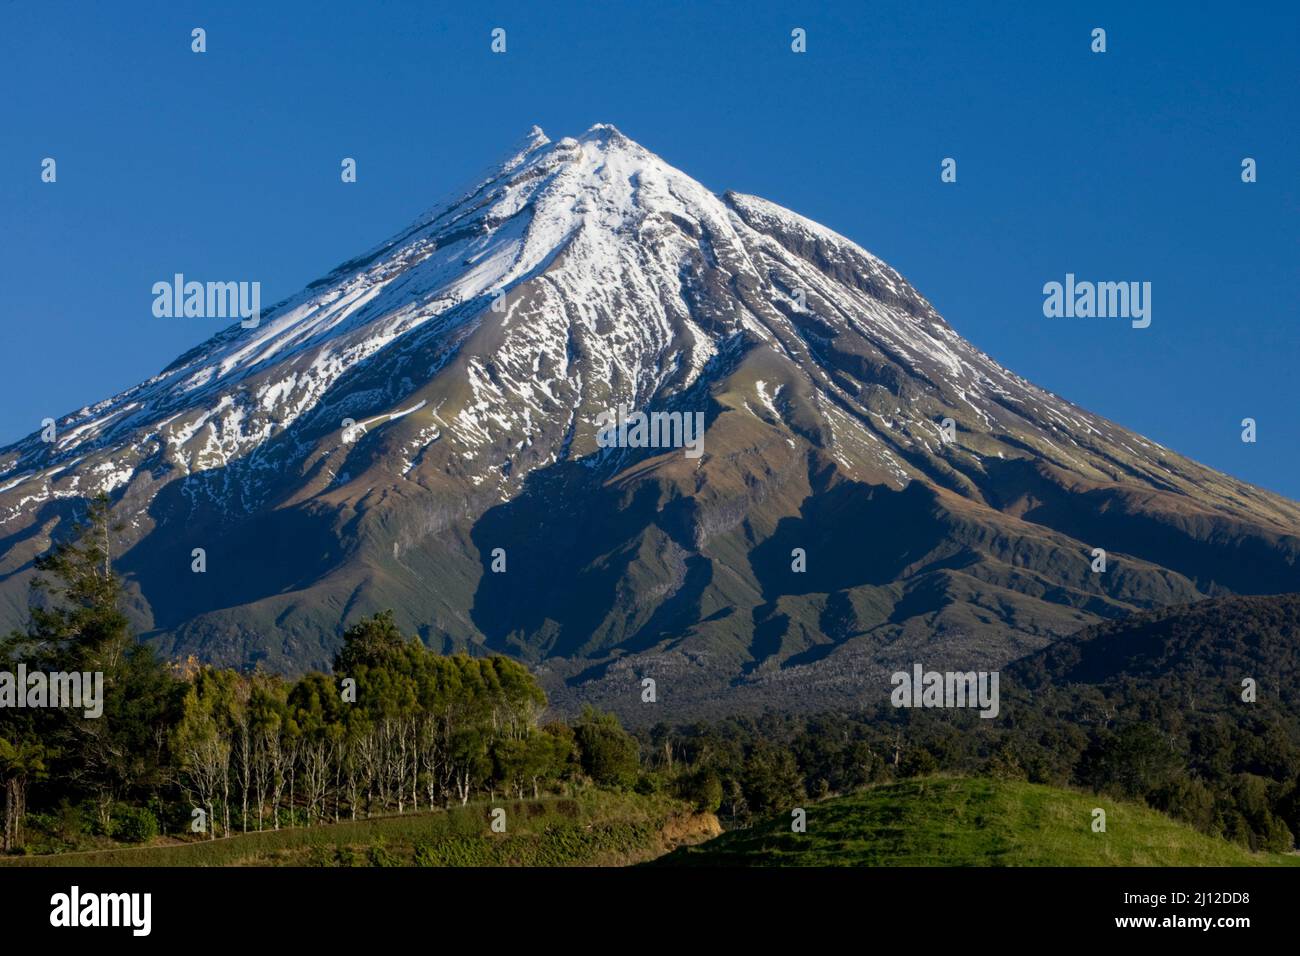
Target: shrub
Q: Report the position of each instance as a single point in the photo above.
(648, 784)
(379, 855)
(319, 856)
(134, 825)
(703, 789)
(918, 762)
(345, 856)
(69, 823)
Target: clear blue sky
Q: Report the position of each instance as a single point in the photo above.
(1117, 166)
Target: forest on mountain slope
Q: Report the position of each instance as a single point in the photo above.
(1150, 709)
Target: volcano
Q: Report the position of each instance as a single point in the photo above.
(420, 430)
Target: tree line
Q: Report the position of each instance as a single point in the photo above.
(1189, 709)
(184, 748)
(397, 728)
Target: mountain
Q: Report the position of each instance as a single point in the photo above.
(476, 352)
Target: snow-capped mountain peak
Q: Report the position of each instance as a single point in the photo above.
(423, 398)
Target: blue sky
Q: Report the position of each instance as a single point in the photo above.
(1118, 166)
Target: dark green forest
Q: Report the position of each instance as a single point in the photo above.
(1149, 708)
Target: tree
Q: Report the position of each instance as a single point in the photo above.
(469, 760)
(20, 762)
(77, 626)
(267, 710)
(771, 779)
(202, 742)
(1132, 762)
(75, 620)
(608, 754)
(316, 709)
(370, 641)
(702, 788)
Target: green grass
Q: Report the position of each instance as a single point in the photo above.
(594, 828)
(942, 821)
(937, 821)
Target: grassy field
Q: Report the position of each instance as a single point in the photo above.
(592, 829)
(942, 821)
(937, 821)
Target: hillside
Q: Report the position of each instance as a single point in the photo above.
(1172, 650)
(970, 822)
(595, 829)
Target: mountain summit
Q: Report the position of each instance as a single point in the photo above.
(421, 429)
